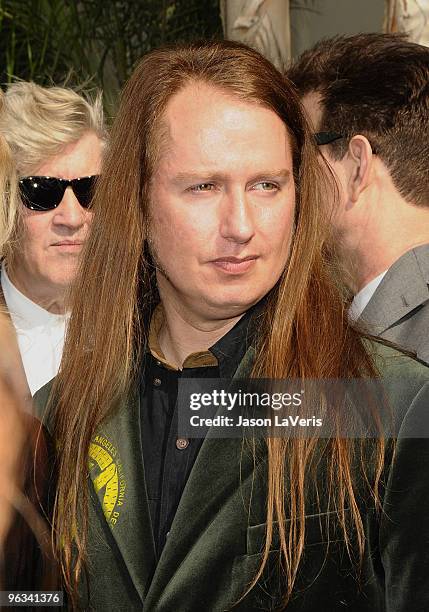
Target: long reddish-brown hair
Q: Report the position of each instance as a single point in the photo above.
(304, 328)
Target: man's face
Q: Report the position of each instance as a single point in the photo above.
(222, 204)
(47, 257)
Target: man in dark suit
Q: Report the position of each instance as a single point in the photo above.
(367, 98)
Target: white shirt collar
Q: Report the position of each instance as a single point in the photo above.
(25, 313)
(362, 298)
(40, 334)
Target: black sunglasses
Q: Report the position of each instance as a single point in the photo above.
(323, 138)
(46, 192)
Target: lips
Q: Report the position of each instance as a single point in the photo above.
(235, 259)
(235, 265)
(68, 247)
(68, 243)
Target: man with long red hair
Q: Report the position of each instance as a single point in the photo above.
(209, 257)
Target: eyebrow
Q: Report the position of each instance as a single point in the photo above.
(204, 176)
(278, 175)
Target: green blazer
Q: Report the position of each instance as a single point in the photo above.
(214, 545)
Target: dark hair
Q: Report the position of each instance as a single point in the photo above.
(376, 85)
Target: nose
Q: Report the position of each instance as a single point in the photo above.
(70, 213)
(236, 217)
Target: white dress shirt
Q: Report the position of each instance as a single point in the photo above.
(362, 298)
(40, 334)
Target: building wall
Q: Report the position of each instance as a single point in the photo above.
(312, 20)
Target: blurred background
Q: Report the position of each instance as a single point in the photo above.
(96, 43)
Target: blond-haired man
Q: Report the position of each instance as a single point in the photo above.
(56, 138)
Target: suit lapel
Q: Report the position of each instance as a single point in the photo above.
(117, 475)
(404, 288)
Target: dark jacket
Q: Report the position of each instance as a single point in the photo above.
(214, 545)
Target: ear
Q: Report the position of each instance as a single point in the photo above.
(360, 161)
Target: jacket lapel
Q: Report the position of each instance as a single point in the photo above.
(117, 475)
(404, 288)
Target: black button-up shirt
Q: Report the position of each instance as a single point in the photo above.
(168, 459)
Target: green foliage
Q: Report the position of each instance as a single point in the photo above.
(94, 41)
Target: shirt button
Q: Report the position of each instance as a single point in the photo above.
(182, 443)
(157, 382)
(158, 363)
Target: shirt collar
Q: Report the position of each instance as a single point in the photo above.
(362, 298)
(226, 353)
(194, 360)
(231, 348)
(24, 312)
